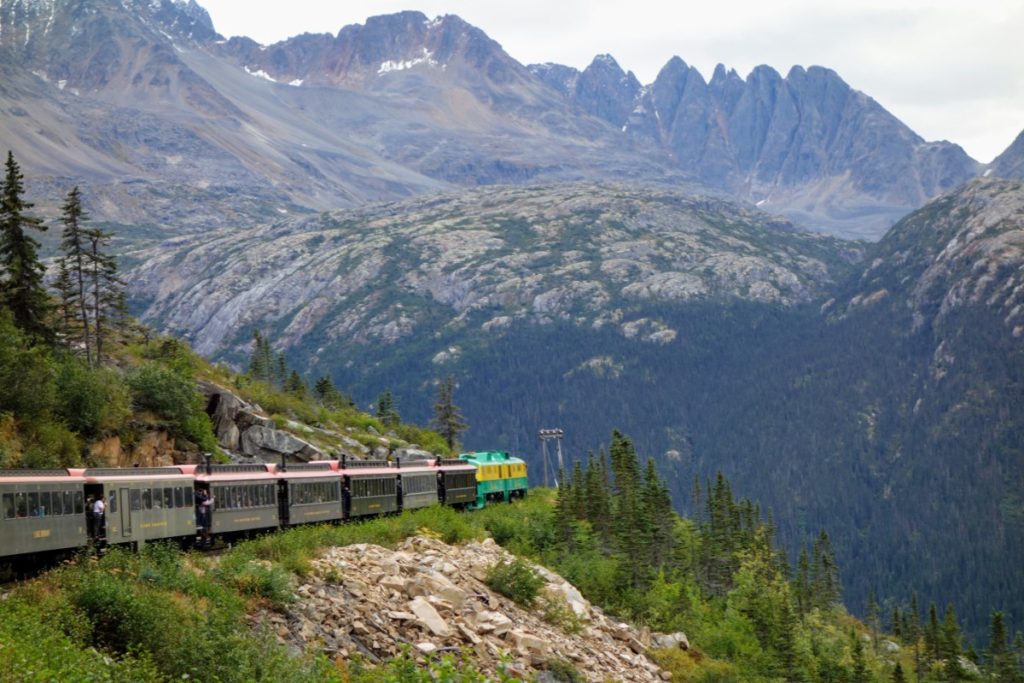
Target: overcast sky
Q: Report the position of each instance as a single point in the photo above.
(950, 69)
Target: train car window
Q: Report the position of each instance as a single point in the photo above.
(33, 504)
(69, 503)
(8, 505)
(177, 497)
(168, 498)
(136, 500)
(112, 502)
(147, 499)
(56, 503)
(21, 505)
(44, 504)
(158, 499)
(188, 496)
(79, 502)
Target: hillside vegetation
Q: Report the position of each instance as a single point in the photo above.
(163, 615)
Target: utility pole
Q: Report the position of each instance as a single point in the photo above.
(545, 436)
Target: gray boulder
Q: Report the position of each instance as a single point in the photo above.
(264, 442)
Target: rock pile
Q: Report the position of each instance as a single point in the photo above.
(431, 597)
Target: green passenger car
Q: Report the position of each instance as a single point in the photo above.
(499, 476)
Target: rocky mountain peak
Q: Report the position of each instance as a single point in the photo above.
(1010, 164)
(181, 18)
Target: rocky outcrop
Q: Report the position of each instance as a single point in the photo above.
(154, 448)
(242, 429)
(431, 596)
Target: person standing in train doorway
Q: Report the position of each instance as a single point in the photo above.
(99, 511)
(203, 515)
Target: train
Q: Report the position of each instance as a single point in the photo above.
(46, 511)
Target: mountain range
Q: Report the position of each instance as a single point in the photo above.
(164, 121)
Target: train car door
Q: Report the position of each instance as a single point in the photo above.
(125, 510)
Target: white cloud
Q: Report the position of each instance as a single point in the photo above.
(949, 69)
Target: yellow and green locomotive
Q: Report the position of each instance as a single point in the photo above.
(499, 477)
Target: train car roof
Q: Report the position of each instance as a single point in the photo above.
(135, 474)
(51, 476)
(370, 472)
(454, 464)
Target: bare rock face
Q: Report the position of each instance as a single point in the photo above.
(156, 448)
(589, 254)
(371, 600)
(271, 444)
(240, 428)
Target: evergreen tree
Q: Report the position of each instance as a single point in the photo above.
(802, 586)
(328, 395)
(21, 271)
(67, 304)
(280, 371)
(1000, 657)
(825, 588)
(859, 674)
(579, 501)
(932, 634)
(1018, 655)
(108, 288)
(448, 421)
(75, 245)
(914, 633)
(564, 516)
(261, 363)
(896, 623)
(387, 413)
(950, 646)
(662, 517)
(898, 675)
(597, 504)
(872, 617)
(295, 385)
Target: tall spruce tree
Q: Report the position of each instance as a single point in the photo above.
(21, 272)
(108, 288)
(448, 421)
(872, 615)
(67, 305)
(825, 587)
(261, 362)
(75, 245)
(387, 413)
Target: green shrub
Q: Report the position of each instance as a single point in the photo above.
(27, 374)
(563, 671)
(170, 393)
(32, 649)
(257, 578)
(405, 669)
(51, 444)
(91, 400)
(556, 611)
(516, 580)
